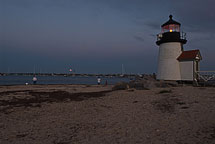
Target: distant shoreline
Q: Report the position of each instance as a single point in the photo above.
(69, 74)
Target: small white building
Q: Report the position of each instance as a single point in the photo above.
(173, 62)
(189, 64)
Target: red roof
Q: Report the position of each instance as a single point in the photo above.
(189, 55)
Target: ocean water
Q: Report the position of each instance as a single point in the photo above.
(91, 80)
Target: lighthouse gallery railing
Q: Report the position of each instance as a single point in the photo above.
(182, 36)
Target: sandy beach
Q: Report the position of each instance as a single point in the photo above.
(64, 114)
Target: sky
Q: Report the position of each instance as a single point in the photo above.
(98, 36)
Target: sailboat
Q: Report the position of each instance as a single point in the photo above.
(122, 72)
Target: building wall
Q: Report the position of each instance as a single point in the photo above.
(186, 68)
(168, 65)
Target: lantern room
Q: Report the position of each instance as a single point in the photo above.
(171, 32)
(171, 26)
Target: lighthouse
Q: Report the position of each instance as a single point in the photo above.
(173, 62)
(170, 42)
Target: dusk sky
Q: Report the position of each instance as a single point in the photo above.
(98, 36)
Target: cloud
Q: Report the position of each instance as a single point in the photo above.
(139, 38)
(197, 15)
(153, 25)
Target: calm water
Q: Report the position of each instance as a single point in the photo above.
(20, 80)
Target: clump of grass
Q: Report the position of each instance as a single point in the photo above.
(165, 91)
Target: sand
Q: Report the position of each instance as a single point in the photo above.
(64, 114)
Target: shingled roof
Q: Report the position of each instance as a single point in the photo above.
(189, 55)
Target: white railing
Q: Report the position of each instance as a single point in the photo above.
(206, 75)
(183, 35)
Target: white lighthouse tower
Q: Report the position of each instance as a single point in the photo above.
(170, 42)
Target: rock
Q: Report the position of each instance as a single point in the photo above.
(147, 82)
(165, 84)
(120, 86)
(142, 84)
